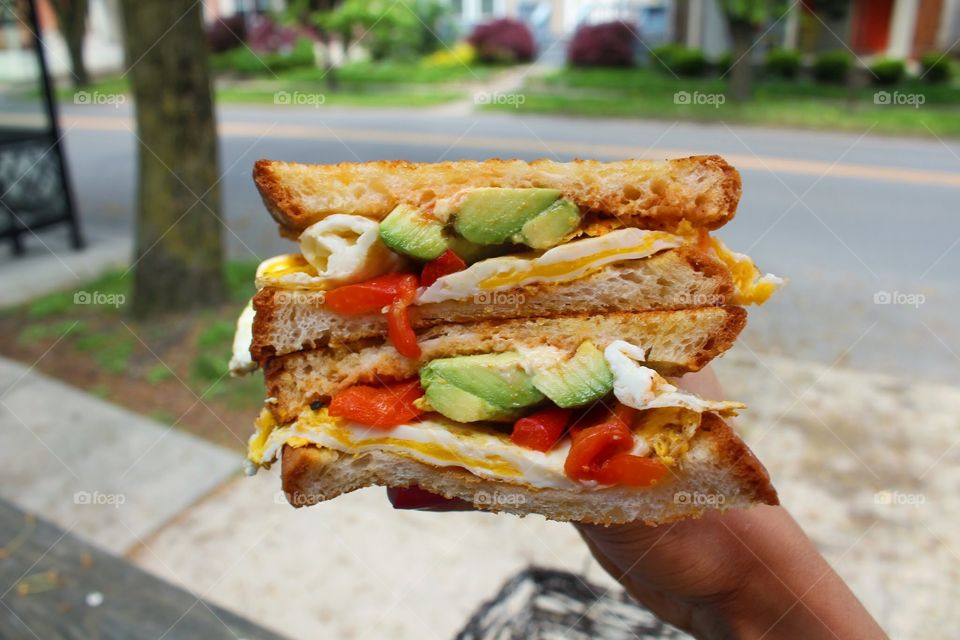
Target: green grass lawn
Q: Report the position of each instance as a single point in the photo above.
(172, 368)
(398, 73)
(386, 84)
(645, 93)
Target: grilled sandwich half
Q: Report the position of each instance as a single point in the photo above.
(503, 332)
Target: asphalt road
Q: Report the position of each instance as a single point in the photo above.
(844, 216)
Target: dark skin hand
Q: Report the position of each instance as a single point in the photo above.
(738, 574)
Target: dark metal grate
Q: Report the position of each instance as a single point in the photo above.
(550, 604)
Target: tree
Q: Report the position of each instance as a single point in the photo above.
(179, 245)
(744, 18)
(72, 21)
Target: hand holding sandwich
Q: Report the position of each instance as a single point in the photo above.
(740, 573)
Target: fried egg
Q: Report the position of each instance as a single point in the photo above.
(560, 264)
(750, 285)
(340, 249)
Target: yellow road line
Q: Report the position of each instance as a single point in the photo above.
(546, 147)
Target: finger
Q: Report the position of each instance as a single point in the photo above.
(417, 499)
(704, 383)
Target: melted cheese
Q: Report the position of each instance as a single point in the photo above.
(751, 287)
(560, 264)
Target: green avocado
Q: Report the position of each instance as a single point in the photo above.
(409, 231)
(582, 379)
(498, 378)
(550, 227)
(462, 406)
(482, 387)
(494, 215)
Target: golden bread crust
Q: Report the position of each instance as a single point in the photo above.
(719, 467)
(703, 190)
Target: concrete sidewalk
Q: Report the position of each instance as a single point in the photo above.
(104, 473)
(51, 264)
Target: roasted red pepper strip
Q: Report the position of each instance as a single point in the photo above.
(448, 262)
(629, 470)
(540, 430)
(394, 290)
(399, 329)
(599, 414)
(593, 446)
(381, 406)
(370, 296)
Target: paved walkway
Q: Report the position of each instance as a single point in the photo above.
(51, 264)
(109, 475)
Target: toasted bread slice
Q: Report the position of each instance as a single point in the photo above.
(718, 471)
(676, 342)
(703, 190)
(288, 321)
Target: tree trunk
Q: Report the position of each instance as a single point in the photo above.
(741, 74)
(72, 20)
(179, 245)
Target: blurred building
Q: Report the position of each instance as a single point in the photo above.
(103, 48)
(103, 45)
(557, 19)
(904, 29)
(894, 28)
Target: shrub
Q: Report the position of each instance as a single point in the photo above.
(783, 63)
(245, 62)
(264, 35)
(886, 71)
(503, 41)
(680, 61)
(662, 55)
(462, 53)
(936, 68)
(723, 63)
(689, 62)
(398, 30)
(609, 44)
(832, 67)
(227, 33)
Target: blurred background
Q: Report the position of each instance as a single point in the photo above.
(130, 231)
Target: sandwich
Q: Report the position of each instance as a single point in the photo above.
(503, 332)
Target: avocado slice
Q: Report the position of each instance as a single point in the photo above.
(494, 215)
(463, 406)
(497, 378)
(582, 379)
(550, 227)
(409, 231)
